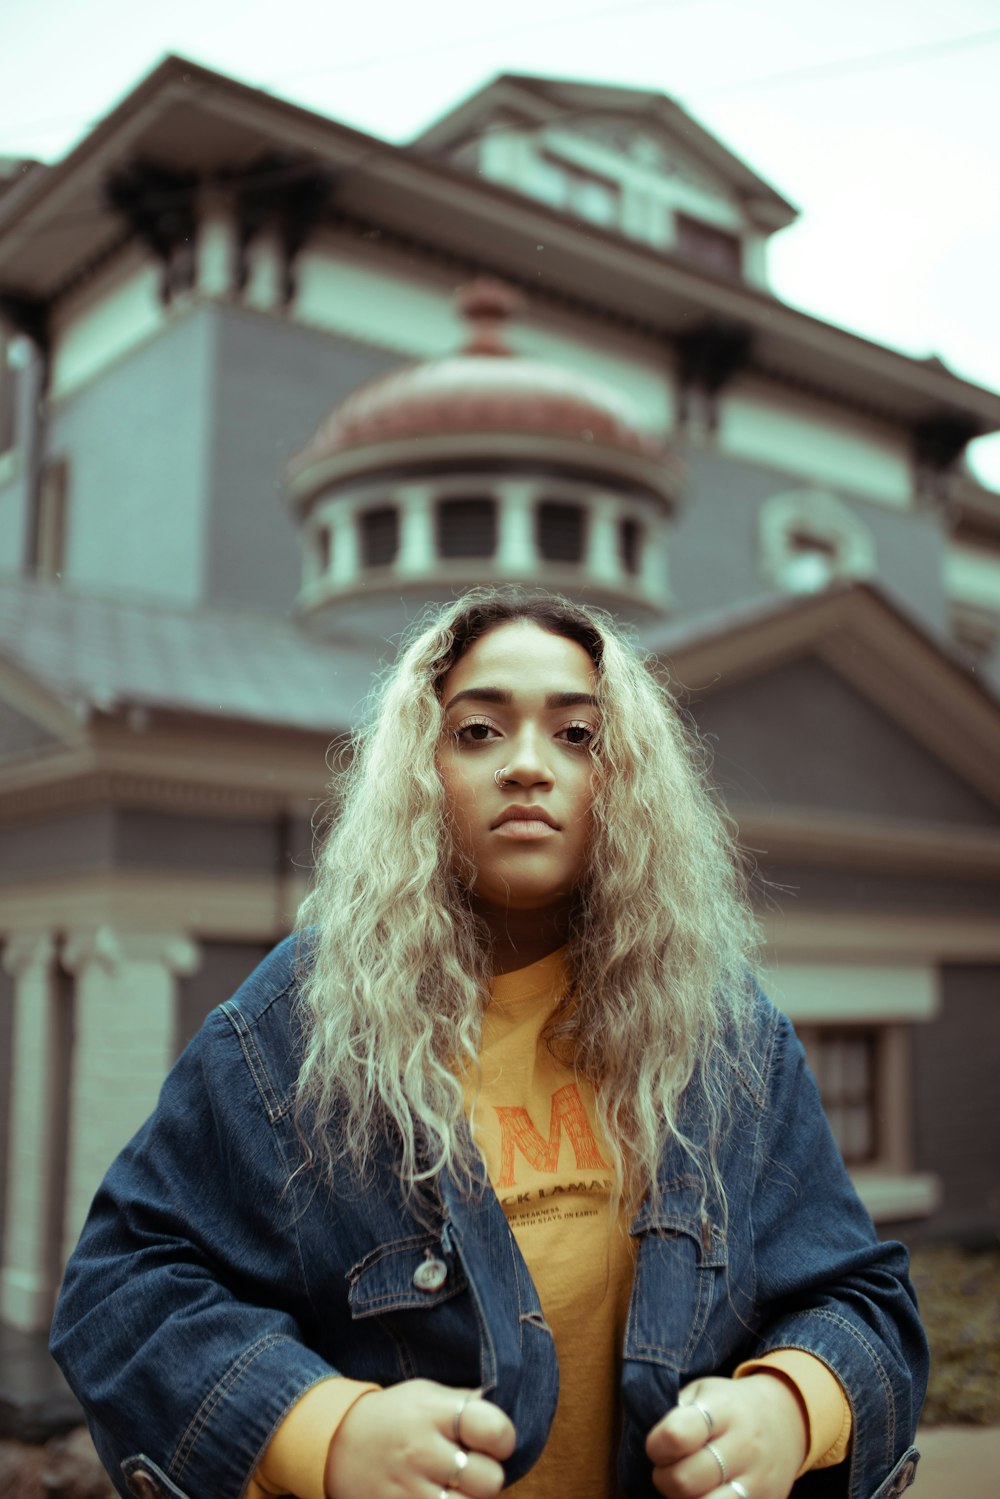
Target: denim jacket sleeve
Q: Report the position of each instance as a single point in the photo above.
(168, 1326)
(827, 1285)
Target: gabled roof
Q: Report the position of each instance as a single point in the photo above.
(57, 224)
(873, 643)
(66, 657)
(545, 101)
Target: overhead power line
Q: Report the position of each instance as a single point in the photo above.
(859, 63)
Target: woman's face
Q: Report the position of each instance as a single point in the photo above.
(520, 701)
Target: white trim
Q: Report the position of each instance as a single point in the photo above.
(830, 993)
(890, 1195)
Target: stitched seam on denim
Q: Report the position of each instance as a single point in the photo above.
(222, 1387)
(276, 1109)
(406, 1301)
(830, 1316)
(386, 1251)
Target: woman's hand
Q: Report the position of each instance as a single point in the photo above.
(414, 1440)
(758, 1429)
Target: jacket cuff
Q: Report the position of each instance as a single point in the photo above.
(827, 1412)
(294, 1461)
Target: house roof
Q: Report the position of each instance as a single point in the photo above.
(543, 100)
(109, 656)
(871, 640)
(57, 224)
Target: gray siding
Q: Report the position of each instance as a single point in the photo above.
(106, 838)
(221, 971)
(797, 887)
(800, 737)
(136, 440)
(715, 548)
(274, 385)
(21, 736)
(957, 1102)
(6, 1079)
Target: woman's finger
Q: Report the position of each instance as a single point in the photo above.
(479, 1425)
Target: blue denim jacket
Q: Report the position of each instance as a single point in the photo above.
(212, 1286)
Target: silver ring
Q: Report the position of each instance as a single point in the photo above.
(456, 1425)
(738, 1489)
(444, 1494)
(723, 1470)
(499, 777)
(697, 1406)
(458, 1467)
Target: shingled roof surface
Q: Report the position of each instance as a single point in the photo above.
(109, 654)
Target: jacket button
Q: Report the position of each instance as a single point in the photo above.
(906, 1475)
(431, 1275)
(143, 1484)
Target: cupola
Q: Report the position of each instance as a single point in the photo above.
(482, 467)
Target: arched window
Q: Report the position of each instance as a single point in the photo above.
(379, 530)
(809, 538)
(467, 527)
(560, 529)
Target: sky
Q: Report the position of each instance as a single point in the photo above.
(878, 119)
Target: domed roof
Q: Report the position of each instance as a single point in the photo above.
(485, 388)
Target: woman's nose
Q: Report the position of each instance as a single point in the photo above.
(527, 760)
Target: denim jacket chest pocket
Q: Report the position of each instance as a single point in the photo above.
(410, 1301)
(680, 1273)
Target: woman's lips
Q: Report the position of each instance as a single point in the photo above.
(523, 829)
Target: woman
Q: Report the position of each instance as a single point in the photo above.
(503, 1173)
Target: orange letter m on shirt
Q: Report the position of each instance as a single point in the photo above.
(518, 1133)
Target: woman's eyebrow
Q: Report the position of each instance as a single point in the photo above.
(505, 696)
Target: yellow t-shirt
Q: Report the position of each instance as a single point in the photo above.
(535, 1122)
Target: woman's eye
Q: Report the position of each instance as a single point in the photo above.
(580, 735)
(477, 731)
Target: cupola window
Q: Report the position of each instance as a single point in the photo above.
(630, 545)
(379, 536)
(467, 527)
(560, 531)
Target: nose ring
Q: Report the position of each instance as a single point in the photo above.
(500, 779)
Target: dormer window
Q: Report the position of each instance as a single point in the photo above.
(809, 538)
(708, 247)
(576, 190)
(467, 527)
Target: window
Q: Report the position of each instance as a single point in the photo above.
(324, 549)
(630, 545)
(560, 531)
(467, 527)
(846, 1062)
(50, 539)
(712, 249)
(809, 538)
(576, 190)
(379, 536)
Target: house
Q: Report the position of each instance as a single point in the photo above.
(269, 385)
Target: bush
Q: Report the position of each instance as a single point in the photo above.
(959, 1294)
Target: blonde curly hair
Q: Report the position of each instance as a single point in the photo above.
(661, 945)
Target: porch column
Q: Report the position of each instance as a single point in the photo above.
(125, 1012)
(28, 1278)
